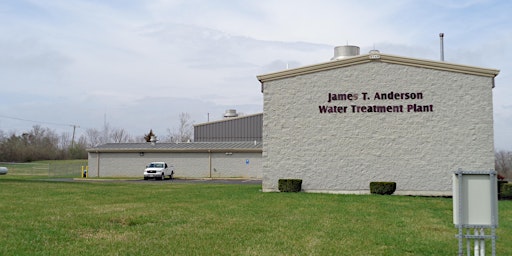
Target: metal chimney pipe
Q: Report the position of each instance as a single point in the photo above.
(441, 37)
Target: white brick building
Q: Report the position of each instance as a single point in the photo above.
(191, 160)
(342, 124)
(228, 148)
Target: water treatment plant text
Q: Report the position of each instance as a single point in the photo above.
(353, 108)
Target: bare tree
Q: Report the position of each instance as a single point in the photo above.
(41, 143)
(137, 139)
(184, 132)
(93, 137)
(64, 140)
(119, 135)
(36, 144)
(79, 149)
(503, 163)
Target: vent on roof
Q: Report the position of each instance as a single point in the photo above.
(230, 113)
(374, 54)
(153, 140)
(345, 51)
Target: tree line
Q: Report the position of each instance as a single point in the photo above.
(41, 143)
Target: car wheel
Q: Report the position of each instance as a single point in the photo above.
(146, 178)
(172, 175)
(163, 176)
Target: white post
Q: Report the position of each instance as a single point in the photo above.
(482, 242)
(477, 244)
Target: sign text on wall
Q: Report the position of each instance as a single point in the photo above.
(352, 107)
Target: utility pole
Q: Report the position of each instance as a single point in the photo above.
(73, 138)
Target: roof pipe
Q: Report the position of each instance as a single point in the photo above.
(441, 39)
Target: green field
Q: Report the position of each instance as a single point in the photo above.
(153, 218)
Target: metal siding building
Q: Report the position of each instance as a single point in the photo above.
(244, 128)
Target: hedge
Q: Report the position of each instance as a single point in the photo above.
(290, 185)
(382, 187)
(506, 191)
(500, 187)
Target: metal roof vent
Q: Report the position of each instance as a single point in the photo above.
(153, 140)
(230, 113)
(345, 51)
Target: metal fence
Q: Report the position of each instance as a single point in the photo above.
(66, 169)
(53, 169)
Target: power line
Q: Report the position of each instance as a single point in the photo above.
(34, 121)
(42, 122)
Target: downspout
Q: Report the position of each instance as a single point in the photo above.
(210, 162)
(98, 163)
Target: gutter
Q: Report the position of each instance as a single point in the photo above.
(150, 150)
(98, 163)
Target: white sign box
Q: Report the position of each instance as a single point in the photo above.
(475, 198)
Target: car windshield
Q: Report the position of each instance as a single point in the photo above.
(156, 165)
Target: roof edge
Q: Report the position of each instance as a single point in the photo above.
(167, 150)
(228, 119)
(387, 58)
(440, 65)
(314, 68)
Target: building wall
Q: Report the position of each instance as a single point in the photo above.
(344, 152)
(187, 165)
(245, 128)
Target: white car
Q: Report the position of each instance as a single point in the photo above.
(158, 170)
(3, 170)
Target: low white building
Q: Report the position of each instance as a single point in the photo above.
(190, 160)
(228, 148)
(342, 124)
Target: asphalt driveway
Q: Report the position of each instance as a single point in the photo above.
(178, 180)
(219, 181)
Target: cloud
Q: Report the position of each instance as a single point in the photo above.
(75, 61)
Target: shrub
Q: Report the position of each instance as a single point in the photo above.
(382, 187)
(290, 185)
(506, 191)
(500, 187)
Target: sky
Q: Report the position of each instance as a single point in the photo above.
(138, 64)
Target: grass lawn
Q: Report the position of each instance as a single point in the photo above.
(153, 218)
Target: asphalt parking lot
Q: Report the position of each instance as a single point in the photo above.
(221, 181)
(177, 180)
